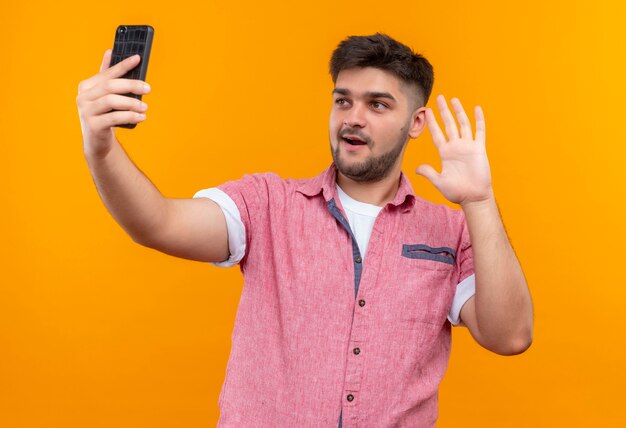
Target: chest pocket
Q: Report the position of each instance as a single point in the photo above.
(428, 284)
(427, 257)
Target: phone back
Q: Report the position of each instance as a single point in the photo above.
(131, 40)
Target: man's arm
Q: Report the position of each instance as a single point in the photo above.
(190, 228)
(500, 315)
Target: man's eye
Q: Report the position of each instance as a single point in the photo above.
(378, 105)
(341, 101)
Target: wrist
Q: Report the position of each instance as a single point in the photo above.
(480, 204)
(98, 152)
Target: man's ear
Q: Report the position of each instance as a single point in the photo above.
(418, 122)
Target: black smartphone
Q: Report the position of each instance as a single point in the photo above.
(131, 40)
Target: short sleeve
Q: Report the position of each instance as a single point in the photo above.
(466, 286)
(464, 290)
(236, 229)
(245, 202)
(465, 257)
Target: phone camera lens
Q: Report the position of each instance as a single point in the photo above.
(123, 30)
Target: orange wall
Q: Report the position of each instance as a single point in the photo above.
(96, 331)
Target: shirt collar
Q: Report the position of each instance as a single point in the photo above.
(326, 183)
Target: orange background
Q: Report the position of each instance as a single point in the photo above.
(96, 331)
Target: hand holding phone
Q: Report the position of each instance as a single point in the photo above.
(113, 96)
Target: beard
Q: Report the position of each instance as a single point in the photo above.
(374, 168)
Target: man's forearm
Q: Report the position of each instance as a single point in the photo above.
(131, 198)
(503, 304)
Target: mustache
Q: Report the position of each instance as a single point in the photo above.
(355, 132)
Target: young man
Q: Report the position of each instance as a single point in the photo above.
(351, 281)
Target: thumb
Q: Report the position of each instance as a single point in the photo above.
(106, 61)
(428, 172)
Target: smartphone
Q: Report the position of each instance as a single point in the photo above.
(131, 40)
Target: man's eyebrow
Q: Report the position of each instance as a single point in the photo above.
(341, 91)
(372, 94)
(380, 95)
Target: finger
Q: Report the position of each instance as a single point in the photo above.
(117, 70)
(433, 127)
(106, 61)
(480, 124)
(122, 67)
(117, 86)
(116, 118)
(446, 116)
(461, 116)
(115, 102)
(428, 172)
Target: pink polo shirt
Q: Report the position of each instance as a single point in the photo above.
(322, 332)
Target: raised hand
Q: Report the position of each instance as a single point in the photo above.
(102, 93)
(465, 174)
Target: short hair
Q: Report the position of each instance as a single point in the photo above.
(382, 52)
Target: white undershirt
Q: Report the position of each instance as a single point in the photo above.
(361, 217)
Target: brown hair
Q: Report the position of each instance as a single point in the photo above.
(382, 52)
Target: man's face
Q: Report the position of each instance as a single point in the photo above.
(370, 122)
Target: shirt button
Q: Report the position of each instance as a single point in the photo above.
(350, 397)
(358, 259)
(361, 303)
(356, 351)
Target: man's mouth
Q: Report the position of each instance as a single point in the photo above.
(353, 140)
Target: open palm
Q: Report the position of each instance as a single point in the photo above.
(465, 174)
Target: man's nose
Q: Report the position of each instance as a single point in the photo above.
(355, 116)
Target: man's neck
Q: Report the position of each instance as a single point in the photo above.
(376, 193)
